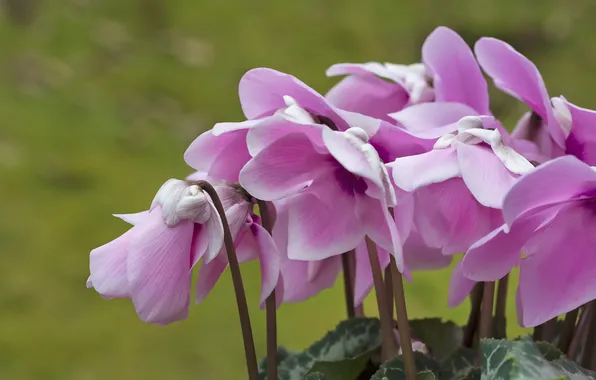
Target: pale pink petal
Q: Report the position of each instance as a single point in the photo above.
(220, 156)
(459, 287)
(108, 267)
(269, 261)
(562, 276)
(262, 91)
(391, 142)
(427, 117)
(349, 156)
(208, 275)
(519, 77)
(413, 172)
(368, 95)
(133, 219)
(420, 257)
(363, 282)
(276, 127)
(159, 269)
(380, 226)
(225, 127)
(449, 217)
(484, 174)
(545, 148)
(360, 69)
(284, 168)
(493, 256)
(213, 234)
(456, 75)
(297, 286)
(322, 223)
(403, 214)
(557, 180)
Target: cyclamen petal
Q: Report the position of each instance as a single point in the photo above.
(435, 166)
(456, 74)
(158, 268)
(107, 265)
(268, 259)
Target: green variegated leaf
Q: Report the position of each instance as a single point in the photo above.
(458, 365)
(350, 345)
(394, 368)
(441, 337)
(525, 360)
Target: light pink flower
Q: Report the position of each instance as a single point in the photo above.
(449, 73)
(550, 216)
(152, 262)
(557, 126)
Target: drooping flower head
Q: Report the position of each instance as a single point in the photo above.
(152, 262)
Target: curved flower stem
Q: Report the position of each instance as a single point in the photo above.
(389, 290)
(389, 348)
(349, 269)
(403, 326)
(501, 308)
(567, 331)
(270, 305)
(249, 344)
(474, 317)
(486, 312)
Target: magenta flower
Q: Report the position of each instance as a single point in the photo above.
(460, 185)
(550, 216)
(555, 125)
(449, 73)
(152, 262)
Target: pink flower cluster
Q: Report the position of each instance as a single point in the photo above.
(408, 156)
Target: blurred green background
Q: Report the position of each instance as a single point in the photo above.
(100, 98)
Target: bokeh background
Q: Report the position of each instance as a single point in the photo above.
(100, 98)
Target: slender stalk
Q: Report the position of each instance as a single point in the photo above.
(501, 308)
(486, 312)
(474, 317)
(270, 305)
(567, 330)
(403, 327)
(389, 348)
(546, 331)
(349, 270)
(589, 356)
(249, 344)
(580, 334)
(389, 290)
(538, 333)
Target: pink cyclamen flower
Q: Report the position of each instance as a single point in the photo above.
(460, 185)
(251, 240)
(557, 126)
(152, 262)
(550, 216)
(448, 73)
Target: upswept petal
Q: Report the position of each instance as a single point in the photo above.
(555, 181)
(484, 174)
(284, 168)
(159, 269)
(425, 119)
(133, 219)
(221, 156)
(562, 275)
(413, 172)
(420, 257)
(368, 95)
(582, 140)
(262, 90)
(208, 275)
(456, 74)
(519, 77)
